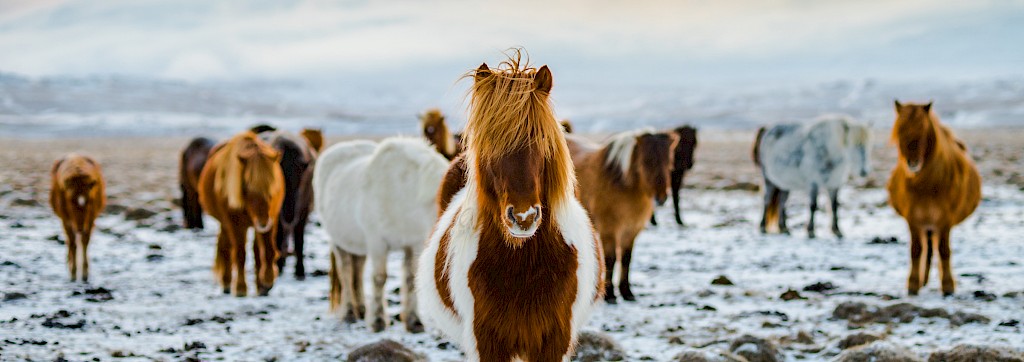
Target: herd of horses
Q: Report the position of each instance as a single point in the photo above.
(510, 231)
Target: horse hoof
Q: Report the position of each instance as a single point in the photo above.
(628, 298)
(378, 325)
(810, 235)
(227, 290)
(610, 300)
(300, 277)
(912, 292)
(241, 294)
(350, 317)
(263, 292)
(947, 294)
(414, 327)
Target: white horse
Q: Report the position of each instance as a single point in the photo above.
(374, 198)
(820, 154)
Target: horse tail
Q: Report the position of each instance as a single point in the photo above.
(757, 146)
(335, 276)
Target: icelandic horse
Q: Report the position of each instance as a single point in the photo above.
(242, 187)
(393, 186)
(193, 158)
(512, 269)
(618, 180)
(436, 131)
(77, 195)
(297, 161)
(820, 154)
(934, 186)
(682, 163)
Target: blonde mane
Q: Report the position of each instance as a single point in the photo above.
(620, 148)
(232, 177)
(508, 112)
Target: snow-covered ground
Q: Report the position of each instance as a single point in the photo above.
(164, 298)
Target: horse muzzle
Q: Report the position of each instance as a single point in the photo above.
(524, 224)
(914, 166)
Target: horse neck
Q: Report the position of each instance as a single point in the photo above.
(940, 158)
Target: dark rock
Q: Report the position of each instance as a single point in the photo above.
(194, 345)
(970, 353)
(881, 240)
(597, 346)
(791, 295)
(18, 201)
(17, 225)
(741, 186)
(755, 349)
(138, 213)
(318, 273)
(983, 295)
(114, 209)
(1009, 323)
(10, 264)
(859, 313)
(721, 280)
(820, 287)
(59, 322)
(857, 339)
(170, 228)
(96, 295)
(878, 351)
(696, 355)
(384, 350)
(14, 296)
(154, 257)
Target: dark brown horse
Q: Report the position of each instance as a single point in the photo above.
(193, 158)
(298, 158)
(242, 187)
(683, 163)
(77, 195)
(618, 180)
(934, 186)
(514, 260)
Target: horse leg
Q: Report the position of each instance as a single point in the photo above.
(654, 221)
(378, 257)
(343, 259)
(608, 243)
(771, 196)
(281, 239)
(930, 244)
(627, 254)
(833, 196)
(814, 207)
(237, 237)
(916, 244)
(266, 256)
(409, 314)
(677, 183)
(945, 264)
(83, 250)
(783, 196)
(222, 262)
(358, 265)
(71, 244)
(334, 277)
(299, 239)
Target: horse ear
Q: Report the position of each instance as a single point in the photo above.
(246, 153)
(482, 72)
(898, 104)
(543, 79)
(928, 107)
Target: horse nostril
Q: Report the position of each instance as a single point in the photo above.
(510, 214)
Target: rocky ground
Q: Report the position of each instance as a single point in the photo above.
(713, 290)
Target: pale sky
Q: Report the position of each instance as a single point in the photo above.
(630, 42)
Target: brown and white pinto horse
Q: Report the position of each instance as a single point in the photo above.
(934, 186)
(193, 158)
(514, 259)
(242, 187)
(77, 196)
(436, 131)
(617, 183)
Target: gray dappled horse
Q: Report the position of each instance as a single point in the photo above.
(821, 154)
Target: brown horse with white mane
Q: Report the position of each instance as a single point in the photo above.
(77, 195)
(436, 131)
(618, 180)
(934, 186)
(242, 187)
(514, 259)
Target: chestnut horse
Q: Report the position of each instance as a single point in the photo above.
(618, 180)
(436, 131)
(193, 158)
(934, 186)
(298, 157)
(683, 162)
(315, 137)
(242, 186)
(514, 259)
(77, 196)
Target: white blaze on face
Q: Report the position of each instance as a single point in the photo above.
(525, 214)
